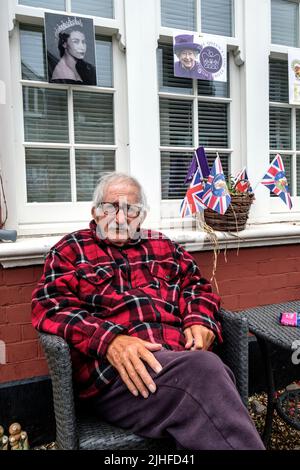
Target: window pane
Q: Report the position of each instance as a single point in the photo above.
(104, 8)
(32, 44)
(280, 128)
(167, 81)
(93, 118)
(45, 115)
(212, 119)
(287, 163)
(298, 129)
(176, 122)
(104, 61)
(216, 17)
(279, 80)
(178, 14)
(90, 165)
(298, 175)
(53, 4)
(213, 88)
(174, 167)
(48, 175)
(284, 22)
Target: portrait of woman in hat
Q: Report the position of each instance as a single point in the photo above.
(186, 51)
(72, 40)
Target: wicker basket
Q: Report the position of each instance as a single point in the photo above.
(235, 218)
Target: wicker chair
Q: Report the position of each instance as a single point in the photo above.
(77, 428)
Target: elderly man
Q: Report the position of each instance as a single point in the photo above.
(141, 324)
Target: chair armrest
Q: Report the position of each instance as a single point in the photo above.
(57, 353)
(234, 350)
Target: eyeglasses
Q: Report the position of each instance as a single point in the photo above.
(112, 208)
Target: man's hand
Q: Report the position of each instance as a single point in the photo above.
(198, 337)
(126, 354)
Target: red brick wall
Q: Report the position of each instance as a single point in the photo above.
(24, 357)
(254, 276)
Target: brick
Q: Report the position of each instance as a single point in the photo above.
(28, 332)
(277, 266)
(19, 313)
(40, 350)
(277, 281)
(37, 272)
(23, 370)
(2, 315)
(10, 333)
(230, 302)
(13, 295)
(246, 285)
(293, 279)
(18, 276)
(18, 352)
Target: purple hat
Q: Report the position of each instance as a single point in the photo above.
(185, 41)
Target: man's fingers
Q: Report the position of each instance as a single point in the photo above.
(198, 342)
(151, 360)
(152, 346)
(129, 384)
(140, 377)
(189, 338)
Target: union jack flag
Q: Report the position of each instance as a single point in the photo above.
(215, 194)
(192, 202)
(275, 180)
(241, 182)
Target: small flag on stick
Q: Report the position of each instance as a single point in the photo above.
(241, 182)
(199, 160)
(215, 194)
(275, 180)
(192, 202)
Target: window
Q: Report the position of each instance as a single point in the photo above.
(216, 15)
(68, 132)
(102, 8)
(192, 113)
(284, 124)
(285, 22)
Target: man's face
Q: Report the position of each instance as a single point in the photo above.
(76, 45)
(119, 227)
(188, 58)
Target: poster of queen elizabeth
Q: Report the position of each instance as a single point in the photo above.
(70, 44)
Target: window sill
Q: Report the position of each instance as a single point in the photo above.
(32, 251)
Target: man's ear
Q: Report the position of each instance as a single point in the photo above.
(94, 213)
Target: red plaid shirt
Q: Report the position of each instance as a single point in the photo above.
(92, 291)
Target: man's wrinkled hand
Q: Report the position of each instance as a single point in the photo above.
(198, 337)
(126, 354)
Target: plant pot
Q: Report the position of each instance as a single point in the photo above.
(235, 218)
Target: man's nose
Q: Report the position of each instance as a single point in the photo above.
(120, 217)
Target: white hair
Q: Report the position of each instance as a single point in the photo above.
(116, 177)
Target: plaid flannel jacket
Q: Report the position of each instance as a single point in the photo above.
(91, 291)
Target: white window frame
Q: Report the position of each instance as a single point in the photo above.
(278, 211)
(39, 218)
(170, 208)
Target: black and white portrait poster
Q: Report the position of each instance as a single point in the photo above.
(70, 45)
